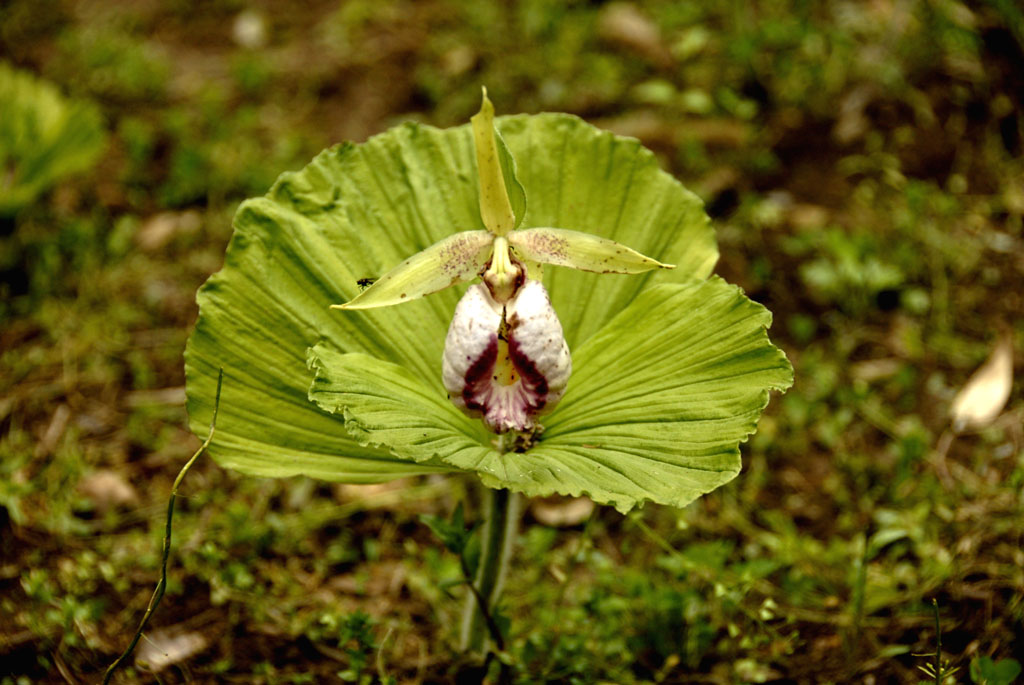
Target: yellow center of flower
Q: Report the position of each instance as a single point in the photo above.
(504, 370)
(503, 277)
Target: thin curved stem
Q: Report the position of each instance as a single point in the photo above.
(161, 585)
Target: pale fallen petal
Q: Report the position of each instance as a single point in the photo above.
(460, 257)
(583, 251)
(249, 29)
(54, 431)
(985, 394)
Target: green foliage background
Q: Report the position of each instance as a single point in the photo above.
(862, 166)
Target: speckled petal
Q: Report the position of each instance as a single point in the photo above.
(471, 346)
(457, 258)
(536, 343)
(581, 251)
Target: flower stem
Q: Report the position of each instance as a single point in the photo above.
(497, 535)
(161, 586)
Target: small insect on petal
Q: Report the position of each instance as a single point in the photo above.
(459, 257)
(507, 364)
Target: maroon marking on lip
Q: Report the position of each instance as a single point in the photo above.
(532, 378)
(478, 374)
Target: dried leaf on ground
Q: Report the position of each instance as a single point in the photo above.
(160, 229)
(107, 489)
(985, 394)
(624, 24)
(561, 512)
(163, 648)
(54, 431)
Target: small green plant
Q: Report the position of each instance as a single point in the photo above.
(352, 634)
(44, 137)
(107, 60)
(939, 670)
(985, 671)
(471, 551)
(849, 270)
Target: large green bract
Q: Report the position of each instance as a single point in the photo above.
(671, 370)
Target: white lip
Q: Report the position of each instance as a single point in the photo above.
(536, 350)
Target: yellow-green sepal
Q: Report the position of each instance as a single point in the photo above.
(458, 258)
(502, 198)
(582, 251)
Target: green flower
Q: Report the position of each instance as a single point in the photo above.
(670, 369)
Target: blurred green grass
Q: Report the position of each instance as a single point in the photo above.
(862, 164)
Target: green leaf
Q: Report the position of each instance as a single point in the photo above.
(448, 584)
(453, 534)
(584, 251)
(355, 212)
(1007, 669)
(455, 259)
(384, 404)
(1002, 672)
(44, 137)
(663, 397)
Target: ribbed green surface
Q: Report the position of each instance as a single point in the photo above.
(581, 178)
(358, 210)
(664, 395)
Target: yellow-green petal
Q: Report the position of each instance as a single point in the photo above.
(584, 179)
(385, 405)
(455, 259)
(582, 251)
